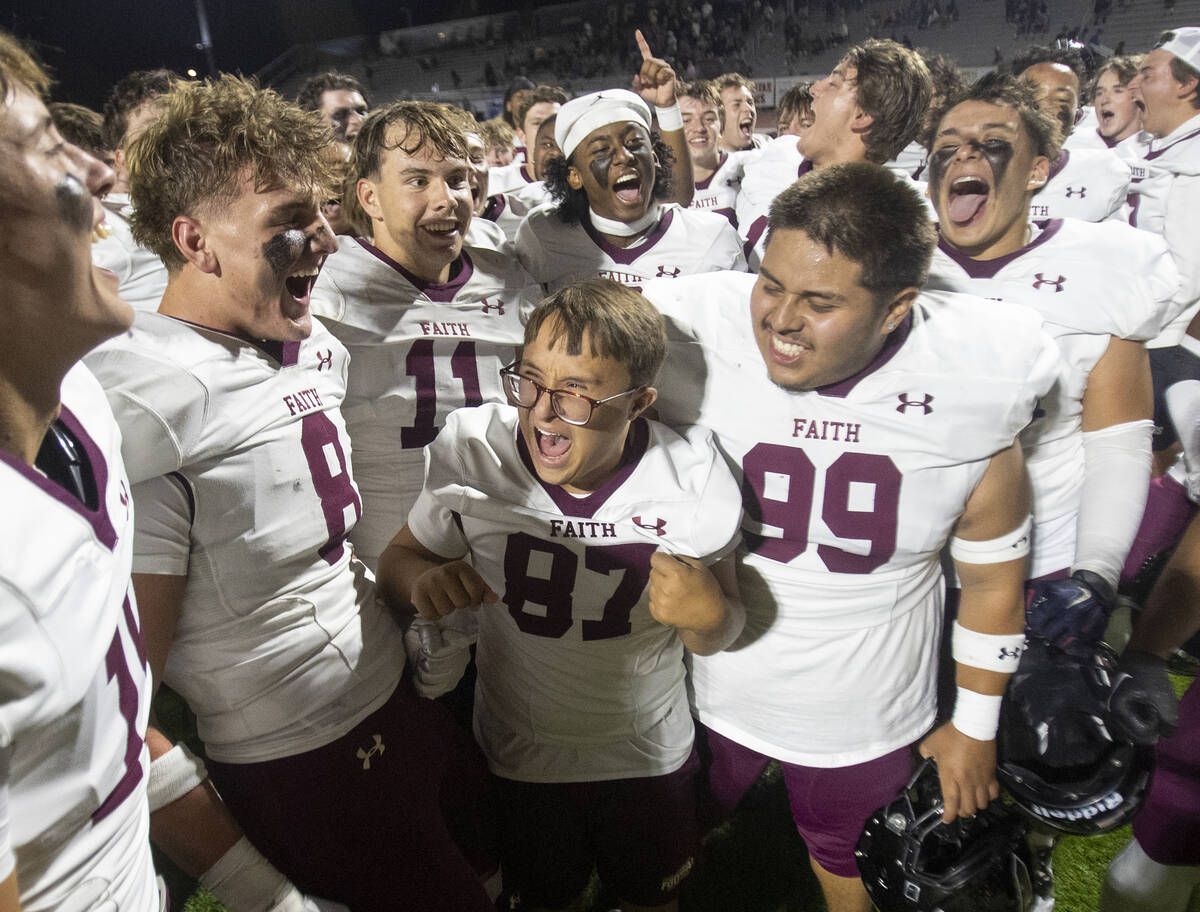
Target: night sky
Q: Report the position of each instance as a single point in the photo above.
(89, 45)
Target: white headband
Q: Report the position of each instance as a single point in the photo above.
(580, 116)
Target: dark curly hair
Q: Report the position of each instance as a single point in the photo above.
(573, 204)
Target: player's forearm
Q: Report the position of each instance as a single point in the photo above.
(683, 181)
(196, 829)
(720, 636)
(9, 900)
(399, 567)
(1172, 612)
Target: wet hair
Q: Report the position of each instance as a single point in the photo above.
(573, 204)
(18, 68)
(1067, 56)
(619, 324)
(706, 92)
(309, 96)
(865, 213)
(1181, 70)
(497, 134)
(81, 127)
(795, 101)
(425, 123)
(211, 136)
(537, 95)
(127, 95)
(893, 86)
(1008, 91)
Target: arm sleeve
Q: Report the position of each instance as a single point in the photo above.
(1115, 486)
(163, 514)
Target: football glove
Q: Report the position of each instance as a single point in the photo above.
(438, 655)
(1070, 613)
(1142, 705)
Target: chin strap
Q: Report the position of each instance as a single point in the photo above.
(625, 229)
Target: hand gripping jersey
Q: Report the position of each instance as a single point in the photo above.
(577, 682)
(141, 275)
(241, 464)
(1165, 199)
(1087, 184)
(719, 191)
(74, 686)
(1089, 282)
(684, 242)
(418, 352)
(849, 493)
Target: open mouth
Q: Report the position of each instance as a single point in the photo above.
(968, 196)
(628, 188)
(445, 229)
(299, 284)
(551, 447)
(746, 125)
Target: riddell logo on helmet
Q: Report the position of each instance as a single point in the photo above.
(1109, 802)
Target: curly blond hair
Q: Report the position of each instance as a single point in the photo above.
(210, 137)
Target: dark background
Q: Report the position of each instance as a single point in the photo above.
(90, 45)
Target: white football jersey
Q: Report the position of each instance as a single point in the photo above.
(684, 242)
(508, 210)
(506, 178)
(74, 684)
(141, 274)
(1086, 136)
(418, 352)
(911, 161)
(1089, 282)
(849, 494)
(779, 165)
(577, 681)
(719, 191)
(241, 465)
(1165, 199)
(1087, 184)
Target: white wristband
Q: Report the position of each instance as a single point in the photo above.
(669, 119)
(1007, 547)
(989, 651)
(244, 881)
(172, 776)
(977, 715)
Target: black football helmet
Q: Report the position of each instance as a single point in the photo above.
(912, 862)
(1057, 756)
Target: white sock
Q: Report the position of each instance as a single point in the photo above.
(1138, 883)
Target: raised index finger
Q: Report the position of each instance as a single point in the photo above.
(642, 45)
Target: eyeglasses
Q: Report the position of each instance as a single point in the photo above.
(570, 406)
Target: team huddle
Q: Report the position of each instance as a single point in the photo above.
(673, 448)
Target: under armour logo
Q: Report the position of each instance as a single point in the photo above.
(658, 527)
(667, 273)
(325, 360)
(1006, 653)
(366, 755)
(923, 404)
(1057, 283)
(1081, 192)
(498, 307)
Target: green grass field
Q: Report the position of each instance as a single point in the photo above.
(756, 862)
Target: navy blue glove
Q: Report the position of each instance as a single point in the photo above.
(1070, 613)
(1142, 705)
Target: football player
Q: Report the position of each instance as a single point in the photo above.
(795, 110)
(1118, 116)
(74, 687)
(254, 609)
(509, 209)
(609, 221)
(871, 423)
(427, 318)
(134, 101)
(536, 107)
(717, 173)
(739, 113)
(1088, 184)
(1166, 200)
(946, 80)
(593, 545)
(867, 109)
(339, 99)
(1102, 290)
